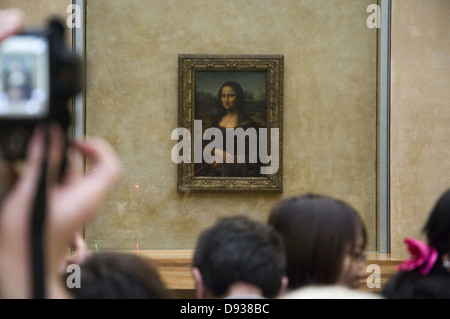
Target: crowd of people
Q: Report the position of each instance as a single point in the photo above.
(312, 245)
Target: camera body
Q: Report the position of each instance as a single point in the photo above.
(38, 77)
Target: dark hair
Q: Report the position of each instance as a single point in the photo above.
(240, 105)
(437, 228)
(411, 284)
(317, 231)
(108, 275)
(240, 249)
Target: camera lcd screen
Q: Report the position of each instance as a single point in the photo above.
(24, 78)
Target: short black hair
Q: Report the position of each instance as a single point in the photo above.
(111, 275)
(239, 249)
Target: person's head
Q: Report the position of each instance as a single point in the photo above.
(324, 240)
(437, 230)
(238, 250)
(231, 98)
(110, 275)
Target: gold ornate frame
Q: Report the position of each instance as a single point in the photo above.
(188, 66)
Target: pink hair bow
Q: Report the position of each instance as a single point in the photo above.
(423, 256)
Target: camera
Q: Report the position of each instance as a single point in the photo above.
(39, 75)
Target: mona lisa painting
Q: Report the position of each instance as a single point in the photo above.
(230, 108)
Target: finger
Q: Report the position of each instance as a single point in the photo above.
(81, 248)
(92, 188)
(72, 169)
(76, 251)
(10, 22)
(103, 159)
(29, 178)
(65, 263)
(8, 176)
(55, 153)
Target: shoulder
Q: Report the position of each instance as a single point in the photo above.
(245, 297)
(330, 292)
(410, 285)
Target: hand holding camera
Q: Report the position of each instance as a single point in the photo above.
(69, 202)
(38, 77)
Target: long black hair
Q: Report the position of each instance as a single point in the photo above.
(437, 228)
(318, 231)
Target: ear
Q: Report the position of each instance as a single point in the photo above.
(284, 284)
(446, 261)
(200, 289)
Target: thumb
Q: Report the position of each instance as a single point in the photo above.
(10, 22)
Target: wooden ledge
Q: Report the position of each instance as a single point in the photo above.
(174, 267)
(387, 267)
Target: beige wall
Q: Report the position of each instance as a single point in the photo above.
(420, 114)
(329, 107)
(141, 40)
(37, 12)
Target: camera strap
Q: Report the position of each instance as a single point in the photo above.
(37, 227)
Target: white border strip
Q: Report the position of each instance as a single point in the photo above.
(78, 48)
(384, 153)
(78, 101)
